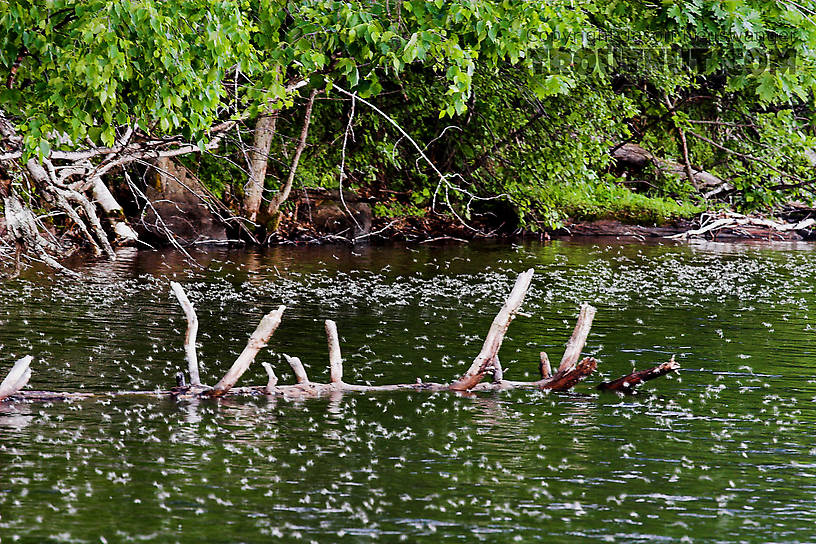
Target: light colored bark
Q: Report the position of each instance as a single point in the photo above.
(297, 368)
(576, 342)
(113, 211)
(283, 194)
(258, 162)
(17, 377)
(273, 379)
(495, 335)
(544, 365)
(190, 354)
(256, 343)
(335, 357)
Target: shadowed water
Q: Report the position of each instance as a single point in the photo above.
(722, 452)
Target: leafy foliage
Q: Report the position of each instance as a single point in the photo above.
(520, 101)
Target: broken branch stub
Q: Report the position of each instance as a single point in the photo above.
(297, 368)
(335, 357)
(627, 384)
(17, 377)
(566, 379)
(273, 379)
(495, 335)
(544, 365)
(256, 343)
(192, 331)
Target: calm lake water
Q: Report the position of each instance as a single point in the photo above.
(722, 452)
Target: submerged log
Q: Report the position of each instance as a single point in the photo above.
(627, 384)
(570, 371)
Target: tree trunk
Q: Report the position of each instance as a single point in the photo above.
(283, 194)
(258, 161)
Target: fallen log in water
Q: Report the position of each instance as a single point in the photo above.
(747, 226)
(570, 370)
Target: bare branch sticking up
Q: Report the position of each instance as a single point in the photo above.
(335, 357)
(495, 335)
(544, 366)
(17, 378)
(192, 331)
(273, 379)
(297, 368)
(576, 342)
(255, 344)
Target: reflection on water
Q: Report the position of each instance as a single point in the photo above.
(722, 452)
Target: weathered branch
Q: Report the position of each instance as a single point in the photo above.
(569, 373)
(17, 378)
(495, 335)
(113, 211)
(496, 369)
(335, 357)
(579, 335)
(627, 384)
(544, 366)
(273, 379)
(735, 220)
(256, 343)
(192, 330)
(566, 378)
(297, 368)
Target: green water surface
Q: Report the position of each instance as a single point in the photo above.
(722, 452)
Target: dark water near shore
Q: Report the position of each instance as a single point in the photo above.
(723, 452)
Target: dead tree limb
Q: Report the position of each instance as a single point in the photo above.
(544, 366)
(273, 379)
(192, 331)
(256, 343)
(297, 368)
(627, 384)
(569, 373)
(335, 357)
(575, 344)
(17, 378)
(495, 335)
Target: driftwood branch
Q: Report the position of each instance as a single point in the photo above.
(335, 357)
(627, 384)
(735, 220)
(569, 373)
(495, 335)
(192, 331)
(255, 344)
(297, 368)
(544, 365)
(576, 343)
(273, 379)
(17, 378)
